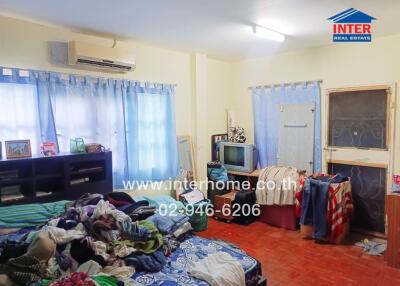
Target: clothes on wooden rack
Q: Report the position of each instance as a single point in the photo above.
(325, 202)
(277, 186)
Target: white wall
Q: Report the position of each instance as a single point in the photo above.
(338, 65)
(213, 90)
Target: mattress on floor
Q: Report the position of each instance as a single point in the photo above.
(196, 248)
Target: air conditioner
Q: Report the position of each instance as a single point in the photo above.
(99, 57)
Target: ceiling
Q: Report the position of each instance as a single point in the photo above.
(219, 28)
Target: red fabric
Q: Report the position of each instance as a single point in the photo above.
(299, 197)
(74, 279)
(337, 215)
(334, 215)
(116, 202)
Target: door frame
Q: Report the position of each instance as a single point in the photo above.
(390, 133)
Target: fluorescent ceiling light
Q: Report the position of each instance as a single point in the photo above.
(268, 34)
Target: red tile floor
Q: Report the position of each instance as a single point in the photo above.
(287, 259)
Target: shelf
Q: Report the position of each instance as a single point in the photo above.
(87, 171)
(16, 199)
(9, 198)
(255, 173)
(43, 194)
(13, 182)
(46, 179)
(48, 176)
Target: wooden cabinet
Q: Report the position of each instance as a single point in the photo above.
(392, 254)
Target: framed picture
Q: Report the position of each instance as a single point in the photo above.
(48, 149)
(18, 149)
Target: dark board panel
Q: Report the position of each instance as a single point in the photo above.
(358, 119)
(368, 188)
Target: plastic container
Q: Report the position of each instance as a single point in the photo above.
(77, 145)
(198, 215)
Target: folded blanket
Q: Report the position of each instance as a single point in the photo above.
(20, 216)
(219, 268)
(169, 223)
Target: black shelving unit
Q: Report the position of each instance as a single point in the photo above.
(46, 179)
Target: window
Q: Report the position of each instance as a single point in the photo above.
(358, 119)
(74, 114)
(19, 116)
(135, 122)
(151, 135)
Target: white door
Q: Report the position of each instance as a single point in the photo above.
(359, 140)
(296, 136)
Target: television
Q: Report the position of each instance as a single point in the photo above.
(239, 157)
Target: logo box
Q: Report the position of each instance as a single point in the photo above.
(352, 26)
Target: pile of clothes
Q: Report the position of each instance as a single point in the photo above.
(277, 186)
(96, 240)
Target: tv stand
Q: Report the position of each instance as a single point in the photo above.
(46, 179)
(255, 173)
(241, 176)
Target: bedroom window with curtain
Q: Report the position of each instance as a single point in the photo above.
(137, 122)
(19, 117)
(151, 134)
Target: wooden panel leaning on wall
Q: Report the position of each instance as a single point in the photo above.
(392, 254)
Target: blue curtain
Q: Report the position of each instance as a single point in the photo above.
(136, 122)
(151, 134)
(266, 102)
(19, 109)
(92, 109)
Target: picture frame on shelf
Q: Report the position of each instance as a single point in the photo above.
(18, 149)
(48, 149)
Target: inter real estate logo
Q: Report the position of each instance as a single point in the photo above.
(352, 26)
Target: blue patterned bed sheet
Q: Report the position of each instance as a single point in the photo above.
(195, 248)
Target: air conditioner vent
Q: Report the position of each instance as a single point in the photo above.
(99, 57)
(104, 63)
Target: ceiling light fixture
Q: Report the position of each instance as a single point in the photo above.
(268, 34)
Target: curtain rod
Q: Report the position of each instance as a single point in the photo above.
(284, 84)
(7, 71)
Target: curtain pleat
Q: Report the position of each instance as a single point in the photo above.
(153, 143)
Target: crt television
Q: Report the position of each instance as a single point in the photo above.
(238, 156)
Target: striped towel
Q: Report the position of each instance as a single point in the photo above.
(20, 216)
